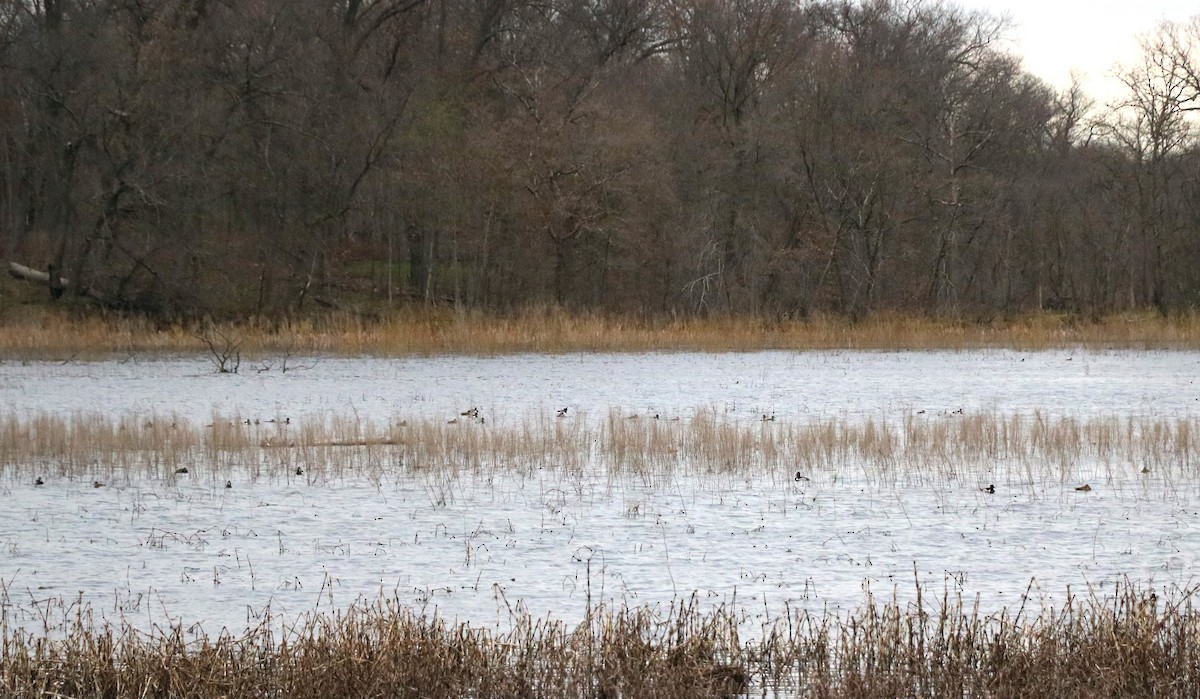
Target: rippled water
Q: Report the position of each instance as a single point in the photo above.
(791, 385)
(476, 546)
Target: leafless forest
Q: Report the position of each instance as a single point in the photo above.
(766, 157)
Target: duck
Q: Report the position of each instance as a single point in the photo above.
(39, 481)
(1084, 488)
(473, 412)
(991, 489)
(179, 471)
(228, 484)
(97, 484)
(768, 418)
(299, 471)
(562, 412)
(801, 476)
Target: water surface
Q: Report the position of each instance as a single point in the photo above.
(478, 546)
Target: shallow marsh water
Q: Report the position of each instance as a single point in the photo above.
(476, 545)
(790, 385)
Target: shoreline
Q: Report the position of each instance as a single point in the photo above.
(55, 335)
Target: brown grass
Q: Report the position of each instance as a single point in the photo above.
(1130, 643)
(912, 449)
(46, 333)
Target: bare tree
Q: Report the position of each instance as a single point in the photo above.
(1152, 129)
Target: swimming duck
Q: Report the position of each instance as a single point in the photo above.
(228, 484)
(562, 412)
(1084, 488)
(39, 481)
(97, 484)
(800, 476)
(299, 471)
(990, 489)
(181, 470)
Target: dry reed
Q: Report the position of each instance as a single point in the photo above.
(912, 449)
(1130, 643)
(46, 333)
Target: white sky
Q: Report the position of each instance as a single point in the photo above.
(1090, 37)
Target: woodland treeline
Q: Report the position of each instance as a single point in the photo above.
(767, 157)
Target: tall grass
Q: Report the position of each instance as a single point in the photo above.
(914, 448)
(1129, 643)
(49, 334)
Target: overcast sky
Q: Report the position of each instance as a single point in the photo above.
(1089, 36)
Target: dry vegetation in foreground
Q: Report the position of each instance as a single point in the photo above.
(46, 333)
(1131, 643)
(913, 449)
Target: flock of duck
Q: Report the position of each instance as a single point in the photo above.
(800, 477)
(178, 472)
(989, 488)
(473, 414)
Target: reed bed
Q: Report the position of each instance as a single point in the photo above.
(1132, 642)
(47, 333)
(914, 448)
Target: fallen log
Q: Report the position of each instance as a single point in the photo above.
(29, 274)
